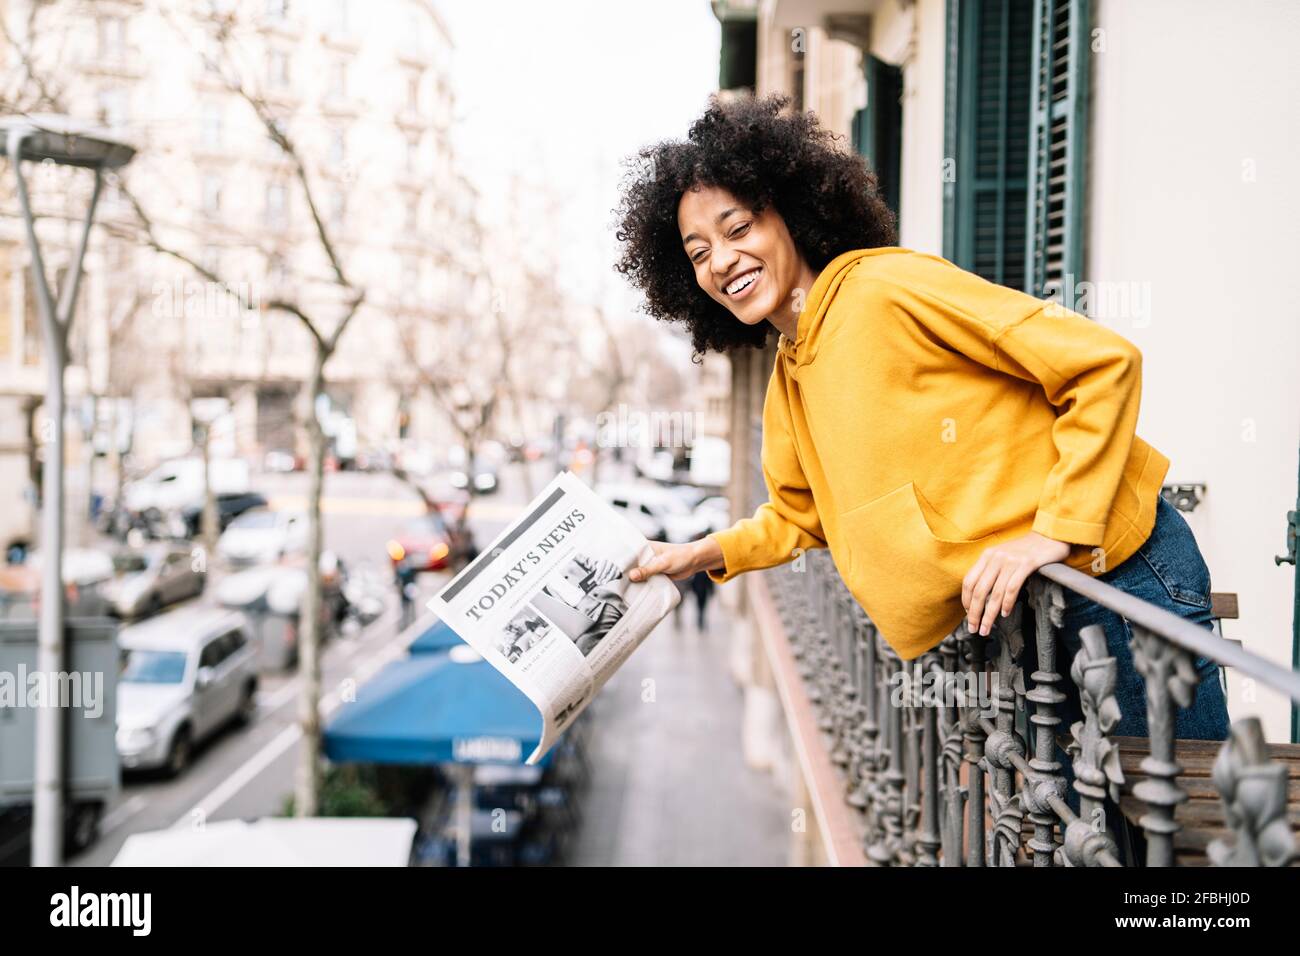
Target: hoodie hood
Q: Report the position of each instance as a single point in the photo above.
(808, 332)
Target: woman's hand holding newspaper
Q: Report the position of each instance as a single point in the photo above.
(680, 561)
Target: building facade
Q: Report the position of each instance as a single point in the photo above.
(1062, 148)
(364, 93)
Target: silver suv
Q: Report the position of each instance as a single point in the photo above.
(185, 675)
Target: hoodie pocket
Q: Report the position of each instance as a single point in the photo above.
(907, 578)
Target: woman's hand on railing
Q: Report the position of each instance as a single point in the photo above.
(993, 584)
(680, 561)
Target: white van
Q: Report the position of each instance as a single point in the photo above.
(656, 512)
(178, 483)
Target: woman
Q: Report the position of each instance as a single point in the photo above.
(942, 435)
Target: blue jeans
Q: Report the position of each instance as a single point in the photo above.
(1168, 571)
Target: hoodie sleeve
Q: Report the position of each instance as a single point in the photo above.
(1090, 373)
(788, 520)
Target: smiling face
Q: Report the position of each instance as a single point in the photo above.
(748, 262)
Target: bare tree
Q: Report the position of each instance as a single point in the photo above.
(324, 331)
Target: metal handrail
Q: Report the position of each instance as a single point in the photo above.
(1175, 629)
(901, 767)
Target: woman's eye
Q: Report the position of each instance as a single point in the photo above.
(739, 231)
(698, 255)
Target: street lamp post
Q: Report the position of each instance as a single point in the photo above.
(60, 141)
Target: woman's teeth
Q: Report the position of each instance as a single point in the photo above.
(744, 281)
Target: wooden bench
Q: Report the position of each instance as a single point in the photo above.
(1202, 815)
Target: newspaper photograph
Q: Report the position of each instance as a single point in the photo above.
(550, 605)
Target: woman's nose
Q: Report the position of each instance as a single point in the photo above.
(722, 263)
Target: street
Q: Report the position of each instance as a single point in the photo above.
(662, 791)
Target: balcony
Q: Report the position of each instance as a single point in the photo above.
(938, 780)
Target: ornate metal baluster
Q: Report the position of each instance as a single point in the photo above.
(889, 797)
(1046, 778)
(1005, 741)
(973, 753)
(1095, 758)
(1254, 792)
(865, 643)
(928, 839)
(951, 741)
(1170, 680)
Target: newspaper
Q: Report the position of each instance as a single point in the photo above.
(550, 605)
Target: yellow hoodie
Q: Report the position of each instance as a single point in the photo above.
(924, 414)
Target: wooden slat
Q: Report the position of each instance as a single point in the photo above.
(1223, 605)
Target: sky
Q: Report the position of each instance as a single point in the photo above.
(557, 94)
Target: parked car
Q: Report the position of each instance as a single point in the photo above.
(179, 483)
(259, 536)
(271, 595)
(146, 580)
(280, 460)
(482, 475)
(716, 512)
(86, 572)
(184, 676)
(229, 507)
(656, 512)
(430, 543)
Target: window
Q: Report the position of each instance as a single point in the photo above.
(213, 127)
(111, 36)
(412, 214)
(6, 302)
(1014, 126)
(338, 88)
(113, 107)
(277, 204)
(1058, 127)
(878, 127)
(338, 207)
(276, 10)
(412, 155)
(210, 259)
(337, 16)
(211, 194)
(213, 652)
(413, 92)
(738, 57)
(338, 152)
(412, 43)
(410, 279)
(277, 69)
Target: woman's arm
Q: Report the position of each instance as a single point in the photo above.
(787, 522)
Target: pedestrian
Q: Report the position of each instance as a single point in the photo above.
(702, 587)
(404, 576)
(944, 436)
(683, 586)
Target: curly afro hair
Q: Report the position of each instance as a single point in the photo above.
(764, 156)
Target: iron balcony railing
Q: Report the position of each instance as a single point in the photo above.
(946, 783)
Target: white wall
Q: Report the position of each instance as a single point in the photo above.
(913, 38)
(1190, 100)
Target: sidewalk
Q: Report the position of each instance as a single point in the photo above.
(669, 786)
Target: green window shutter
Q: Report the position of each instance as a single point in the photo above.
(1054, 251)
(987, 118)
(738, 56)
(877, 129)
